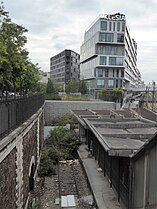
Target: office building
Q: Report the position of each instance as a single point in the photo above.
(65, 66)
(108, 57)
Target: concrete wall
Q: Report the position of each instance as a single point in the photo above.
(18, 152)
(54, 109)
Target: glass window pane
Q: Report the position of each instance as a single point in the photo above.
(120, 38)
(100, 83)
(106, 37)
(99, 73)
(123, 27)
(110, 26)
(118, 26)
(103, 25)
(112, 60)
(102, 60)
(110, 83)
(116, 61)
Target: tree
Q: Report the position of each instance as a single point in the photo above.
(50, 87)
(83, 87)
(72, 87)
(15, 67)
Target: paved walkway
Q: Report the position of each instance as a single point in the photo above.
(104, 195)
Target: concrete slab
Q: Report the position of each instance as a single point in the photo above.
(104, 196)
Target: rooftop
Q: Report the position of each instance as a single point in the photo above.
(117, 131)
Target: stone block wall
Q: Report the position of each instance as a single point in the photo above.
(19, 152)
(8, 181)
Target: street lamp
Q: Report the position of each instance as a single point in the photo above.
(153, 96)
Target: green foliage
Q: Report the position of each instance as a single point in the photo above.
(83, 87)
(72, 87)
(76, 86)
(61, 145)
(110, 95)
(46, 167)
(50, 87)
(41, 87)
(65, 119)
(52, 97)
(37, 205)
(75, 98)
(16, 71)
(64, 142)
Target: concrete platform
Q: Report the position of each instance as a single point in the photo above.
(104, 196)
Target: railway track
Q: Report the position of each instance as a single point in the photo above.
(72, 181)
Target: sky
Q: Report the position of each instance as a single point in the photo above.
(55, 25)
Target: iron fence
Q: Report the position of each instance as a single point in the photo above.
(13, 112)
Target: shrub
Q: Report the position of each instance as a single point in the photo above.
(50, 96)
(46, 167)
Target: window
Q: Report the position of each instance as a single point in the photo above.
(123, 27)
(100, 83)
(106, 73)
(118, 26)
(119, 61)
(116, 83)
(116, 61)
(120, 38)
(110, 50)
(110, 83)
(102, 60)
(110, 26)
(103, 25)
(106, 37)
(117, 73)
(114, 26)
(122, 74)
(99, 73)
(113, 73)
(112, 60)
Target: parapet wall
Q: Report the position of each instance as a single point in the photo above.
(55, 108)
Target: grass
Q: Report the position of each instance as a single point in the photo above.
(75, 98)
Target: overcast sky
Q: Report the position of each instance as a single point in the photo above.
(55, 25)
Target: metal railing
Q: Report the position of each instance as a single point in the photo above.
(13, 112)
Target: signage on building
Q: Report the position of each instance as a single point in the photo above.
(116, 16)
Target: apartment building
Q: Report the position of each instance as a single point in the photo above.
(108, 55)
(65, 66)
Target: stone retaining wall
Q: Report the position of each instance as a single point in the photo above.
(18, 152)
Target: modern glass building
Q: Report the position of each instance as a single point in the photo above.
(65, 66)
(108, 57)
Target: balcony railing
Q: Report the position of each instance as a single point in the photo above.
(13, 112)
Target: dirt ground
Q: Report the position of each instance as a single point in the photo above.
(46, 193)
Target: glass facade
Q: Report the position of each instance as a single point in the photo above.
(106, 37)
(118, 61)
(110, 50)
(108, 53)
